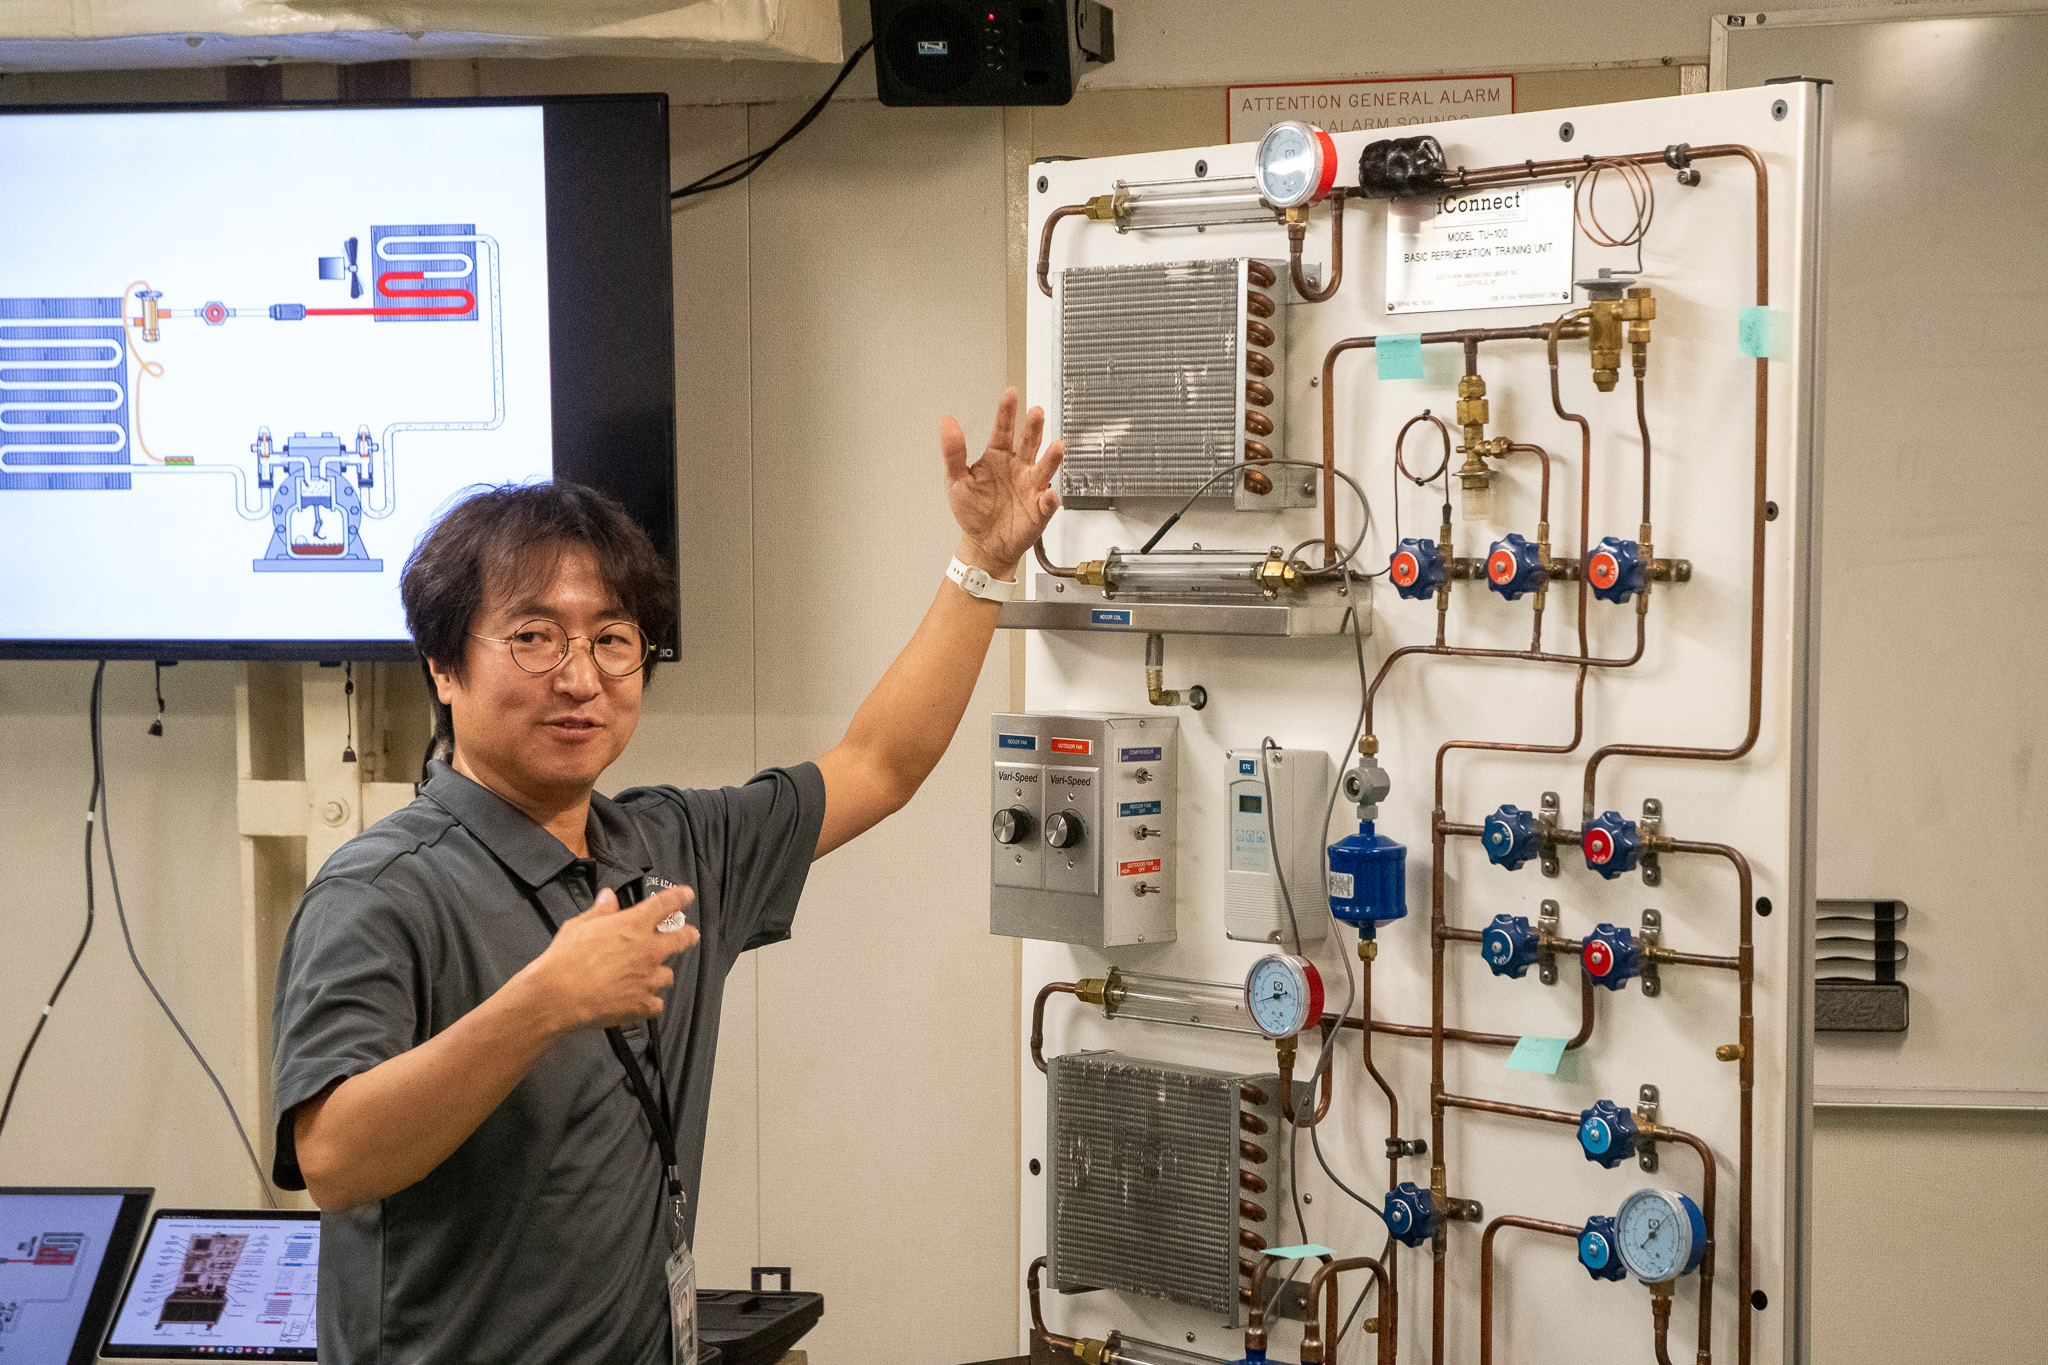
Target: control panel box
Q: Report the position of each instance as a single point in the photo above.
(1081, 828)
(1283, 793)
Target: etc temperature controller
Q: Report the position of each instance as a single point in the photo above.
(1295, 784)
(1081, 828)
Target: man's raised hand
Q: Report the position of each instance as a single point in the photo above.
(1004, 499)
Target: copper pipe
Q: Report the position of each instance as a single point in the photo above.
(1255, 1325)
(1045, 992)
(1257, 423)
(1298, 232)
(1259, 334)
(1287, 1085)
(1746, 1039)
(1315, 1343)
(1052, 1339)
(1643, 425)
(1252, 1152)
(1257, 452)
(1523, 448)
(1252, 1124)
(1250, 1212)
(1250, 1240)
(1474, 1036)
(1660, 1318)
(1519, 1111)
(1052, 220)
(1260, 274)
(1468, 337)
(1437, 1179)
(1251, 1184)
(1259, 305)
(1257, 394)
(1758, 509)
(1250, 1093)
(1038, 549)
(1255, 482)
(1390, 1295)
(1506, 1220)
(1258, 364)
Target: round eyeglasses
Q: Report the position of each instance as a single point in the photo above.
(618, 648)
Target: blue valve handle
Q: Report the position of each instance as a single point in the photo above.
(1416, 569)
(1616, 570)
(1597, 1250)
(1607, 1133)
(1509, 946)
(1411, 1214)
(1611, 957)
(1613, 846)
(1514, 566)
(1512, 837)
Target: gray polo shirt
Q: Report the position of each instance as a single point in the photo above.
(541, 1238)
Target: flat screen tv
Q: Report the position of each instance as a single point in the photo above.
(249, 354)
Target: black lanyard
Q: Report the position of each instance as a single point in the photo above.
(657, 1113)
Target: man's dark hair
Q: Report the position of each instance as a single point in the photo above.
(514, 535)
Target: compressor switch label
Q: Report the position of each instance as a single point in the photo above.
(1137, 869)
(1140, 755)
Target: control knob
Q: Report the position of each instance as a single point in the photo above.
(1607, 1133)
(1514, 566)
(1612, 845)
(1063, 829)
(1611, 956)
(1012, 825)
(1597, 1250)
(1512, 837)
(1616, 570)
(1509, 946)
(1411, 1214)
(1417, 569)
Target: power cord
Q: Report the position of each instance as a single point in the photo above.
(92, 803)
(99, 787)
(735, 171)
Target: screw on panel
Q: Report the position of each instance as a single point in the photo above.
(1770, 511)
(1778, 107)
(1689, 177)
(1653, 937)
(1646, 1114)
(1042, 184)
(1564, 132)
(1546, 936)
(1201, 169)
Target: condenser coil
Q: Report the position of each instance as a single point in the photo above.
(1156, 1170)
(1169, 374)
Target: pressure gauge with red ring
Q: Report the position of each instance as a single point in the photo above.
(1295, 165)
(1284, 994)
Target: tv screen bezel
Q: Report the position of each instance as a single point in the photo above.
(610, 296)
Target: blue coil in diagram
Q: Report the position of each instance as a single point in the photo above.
(63, 394)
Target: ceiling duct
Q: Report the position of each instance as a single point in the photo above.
(100, 35)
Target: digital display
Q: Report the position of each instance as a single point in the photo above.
(1251, 805)
(52, 1246)
(233, 1283)
(249, 356)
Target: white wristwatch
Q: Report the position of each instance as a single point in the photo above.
(980, 583)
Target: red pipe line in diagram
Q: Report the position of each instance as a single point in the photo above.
(384, 281)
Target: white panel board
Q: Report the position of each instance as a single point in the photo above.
(1689, 689)
(1949, 751)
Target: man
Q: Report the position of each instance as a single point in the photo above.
(485, 1163)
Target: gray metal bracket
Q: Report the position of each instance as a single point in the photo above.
(1646, 1114)
(1546, 819)
(1546, 935)
(1652, 822)
(1653, 937)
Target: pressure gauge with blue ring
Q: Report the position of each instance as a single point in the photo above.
(1284, 994)
(1660, 1235)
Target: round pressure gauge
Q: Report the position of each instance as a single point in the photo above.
(1284, 994)
(1660, 1235)
(1295, 165)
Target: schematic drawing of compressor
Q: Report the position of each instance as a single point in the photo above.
(71, 371)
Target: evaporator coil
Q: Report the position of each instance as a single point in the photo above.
(1164, 1179)
(1170, 374)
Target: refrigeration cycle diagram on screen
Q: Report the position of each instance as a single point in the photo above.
(75, 374)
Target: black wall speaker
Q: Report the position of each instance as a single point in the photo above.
(982, 52)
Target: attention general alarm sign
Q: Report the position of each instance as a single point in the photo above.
(1351, 106)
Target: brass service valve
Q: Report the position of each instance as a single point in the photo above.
(1277, 573)
(1618, 310)
(1637, 310)
(1473, 476)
